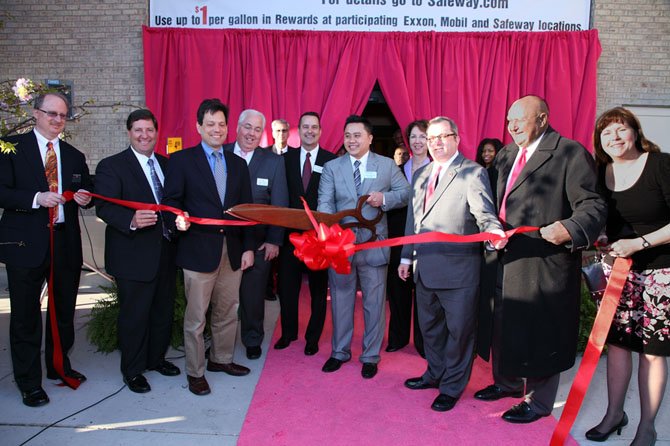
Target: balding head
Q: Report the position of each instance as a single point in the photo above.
(527, 119)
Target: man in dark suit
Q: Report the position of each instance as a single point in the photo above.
(303, 167)
(545, 180)
(204, 181)
(139, 252)
(280, 133)
(451, 195)
(268, 186)
(27, 196)
(343, 181)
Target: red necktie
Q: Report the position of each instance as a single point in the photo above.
(51, 172)
(512, 179)
(432, 184)
(306, 172)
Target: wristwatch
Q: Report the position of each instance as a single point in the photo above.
(645, 243)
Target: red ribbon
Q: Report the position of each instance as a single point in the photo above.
(161, 207)
(332, 246)
(55, 335)
(597, 338)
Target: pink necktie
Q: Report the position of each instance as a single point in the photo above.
(432, 184)
(512, 179)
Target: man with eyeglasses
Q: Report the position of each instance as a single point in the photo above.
(452, 195)
(32, 182)
(280, 131)
(268, 186)
(542, 179)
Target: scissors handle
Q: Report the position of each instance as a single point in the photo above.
(361, 222)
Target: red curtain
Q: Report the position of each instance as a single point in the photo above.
(470, 77)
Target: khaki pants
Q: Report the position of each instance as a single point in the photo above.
(221, 288)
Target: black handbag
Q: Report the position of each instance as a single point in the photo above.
(594, 276)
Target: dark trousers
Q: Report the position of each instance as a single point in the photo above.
(25, 323)
(145, 316)
(252, 300)
(540, 391)
(290, 280)
(401, 296)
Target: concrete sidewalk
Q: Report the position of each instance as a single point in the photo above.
(103, 412)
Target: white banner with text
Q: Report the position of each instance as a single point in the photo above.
(374, 15)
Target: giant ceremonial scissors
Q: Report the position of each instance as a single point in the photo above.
(298, 218)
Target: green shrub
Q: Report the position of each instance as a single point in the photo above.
(102, 325)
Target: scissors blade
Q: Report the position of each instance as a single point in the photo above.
(279, 216)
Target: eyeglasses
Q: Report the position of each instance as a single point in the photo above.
(443, 137)
(251, 128)
(53, 114)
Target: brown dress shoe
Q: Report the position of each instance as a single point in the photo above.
(230, 368)
(198, 386)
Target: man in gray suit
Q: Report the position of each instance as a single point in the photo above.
(268, 186)
(343, 181)
(451, 195)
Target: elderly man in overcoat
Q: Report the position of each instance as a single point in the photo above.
(542, 179)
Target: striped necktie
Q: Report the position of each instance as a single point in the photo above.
(357, 176)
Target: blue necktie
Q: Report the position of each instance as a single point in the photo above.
(357, 176)
(220, 174)
(158, 191)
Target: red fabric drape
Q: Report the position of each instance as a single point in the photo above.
(470, 77)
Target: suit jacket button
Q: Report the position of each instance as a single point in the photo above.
(221, 230)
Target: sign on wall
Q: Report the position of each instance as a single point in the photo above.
(374, 15)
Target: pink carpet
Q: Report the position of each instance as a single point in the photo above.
(296, 404)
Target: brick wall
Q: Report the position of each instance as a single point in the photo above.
(98, 46)
(634, 67)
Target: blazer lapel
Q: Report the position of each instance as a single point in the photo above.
(31, 152)
(347, 174)
(445, 181)
(368, 182)
(206, 172)
(542, 153)
(138, 173)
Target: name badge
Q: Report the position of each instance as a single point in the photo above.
(262, 182)
(370, 175)
(317, 169)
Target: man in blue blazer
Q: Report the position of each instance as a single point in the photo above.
(139, 252)
(268, 186)
(26, 198)
(204, 181)
(343, 181)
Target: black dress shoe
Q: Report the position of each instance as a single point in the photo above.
(418, 383)
(254, 352)
(521, 413)
(595, 435)
(35, 397)
(70, 374)
(137, 384)
(369, 370)
(443, 403)
(311, 348)
(332, 365)
(394, 348)
(282, 343)
(166, 368)
(493, 393)
(271, 297)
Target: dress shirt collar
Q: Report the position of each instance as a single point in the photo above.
(246, 156)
